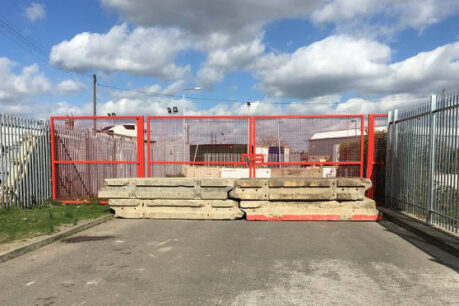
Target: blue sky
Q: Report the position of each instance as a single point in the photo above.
(286, 57)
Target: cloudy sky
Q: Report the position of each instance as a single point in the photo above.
(285, 56)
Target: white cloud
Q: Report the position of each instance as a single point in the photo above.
(35, 11)
(219, 62)
(340, 64)
(329, 66)
(383, 16)
(70, 86)
(140, 51)
(14, 88)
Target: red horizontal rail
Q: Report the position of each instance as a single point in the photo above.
(92, 117)
(198, 117)
(309, 163)
(255, 117)
(308, 116)
(196, 163)
(95, 162)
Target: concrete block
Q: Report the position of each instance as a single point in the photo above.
(214, 193)
(249, 193)
(364, 210)
(350, 193)
(252, 183)
(128, 212)
(299, 182)
(173, 203)
(217, 182)
(112, 192)
(164, 193)
(165, 182)
(224, 204)
(124, 202)
(354, 182)
(306, 194)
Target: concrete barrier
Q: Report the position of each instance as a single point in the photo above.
(305, 199)
(171, 198)
(258, 199)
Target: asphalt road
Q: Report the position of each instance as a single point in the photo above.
(160, 262)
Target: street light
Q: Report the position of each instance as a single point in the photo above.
(185, 133)
(172, 110)
(355, 126)
(183, 97)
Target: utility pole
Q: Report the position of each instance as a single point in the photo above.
(94, 99)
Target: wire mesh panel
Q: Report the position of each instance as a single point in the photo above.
(86, 150)
(376, 156)
(25, 165)
(198, 146)
(310, 145)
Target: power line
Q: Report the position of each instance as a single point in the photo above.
(205, 99)
(32, 46)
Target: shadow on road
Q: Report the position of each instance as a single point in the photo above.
(438, 255)
(86, 238)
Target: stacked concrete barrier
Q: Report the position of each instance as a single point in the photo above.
(305, 199)
(259, 199)
(171, 198)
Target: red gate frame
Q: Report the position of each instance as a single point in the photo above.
(371, 148)
(140, 148)
(150, 162)
(253, 158)
(362, 140)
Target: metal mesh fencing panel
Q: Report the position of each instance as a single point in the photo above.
(310, 145)
(25, 165)
(86, 150)
(422, 161)
(197, 146)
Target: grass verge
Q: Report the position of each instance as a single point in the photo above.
(17, 224)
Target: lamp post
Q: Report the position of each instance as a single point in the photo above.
(183, 114)
(355, 127)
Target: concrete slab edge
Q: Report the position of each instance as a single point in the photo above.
(435, 236)
(50, 239)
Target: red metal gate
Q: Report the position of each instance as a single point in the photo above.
(85, 150)
(255, 146)
(376, 156)
(197, 146)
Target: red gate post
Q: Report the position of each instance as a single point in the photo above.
(362, 143)
(371, 162)
(370, 151)
(140, 147)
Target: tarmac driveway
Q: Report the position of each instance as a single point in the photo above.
(172, 262)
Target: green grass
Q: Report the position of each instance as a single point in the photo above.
(17, 224)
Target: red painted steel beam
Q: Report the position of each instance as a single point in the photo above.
(362, 143)
(140, 147)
